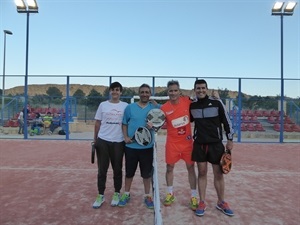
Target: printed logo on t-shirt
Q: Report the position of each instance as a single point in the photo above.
(181, 130)
(169, 112)
(114, 117)
(180, 122)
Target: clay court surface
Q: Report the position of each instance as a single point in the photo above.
(53, 182)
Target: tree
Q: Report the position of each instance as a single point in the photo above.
(94, 98)
(162, 93)
(106, 92)
(79, 95)
(40, 100)
(54, 92)
(223, 93)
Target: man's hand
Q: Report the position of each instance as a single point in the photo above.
(215, 94)
(153, 102)
(229, 145)
(149, 125)
(127, 140)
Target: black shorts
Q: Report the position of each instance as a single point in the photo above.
(211, 152)
(143, 157)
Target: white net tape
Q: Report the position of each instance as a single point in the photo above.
(157, 211)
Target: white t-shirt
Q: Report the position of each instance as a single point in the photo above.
(20, 117)
(111, 116)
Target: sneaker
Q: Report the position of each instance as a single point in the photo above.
(99, 201)
(194, 203)
(224, 207)
(201, 209)
(115, 199)
(124, 200)
(149, 202)
(170, 198)
(49, 132)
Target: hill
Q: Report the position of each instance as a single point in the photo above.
(41, 89)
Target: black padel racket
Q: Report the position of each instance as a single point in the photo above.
(93, 152)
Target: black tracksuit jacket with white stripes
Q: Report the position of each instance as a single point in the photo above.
(209, 114)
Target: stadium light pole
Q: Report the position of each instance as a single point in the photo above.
(30, 7)
(3, 82)
(281, 9)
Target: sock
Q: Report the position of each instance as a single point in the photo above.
(170, 189)
(193, 193)
(146, 195)
(127, 193)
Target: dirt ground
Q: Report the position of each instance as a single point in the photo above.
(52, 182)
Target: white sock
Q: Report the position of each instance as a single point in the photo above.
(193, 193)
(170, 189)
(127, 193)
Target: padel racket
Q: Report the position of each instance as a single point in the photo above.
(93, 153)
(226, 161)
(157, 118)
(142, 136)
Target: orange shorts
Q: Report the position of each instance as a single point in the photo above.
(177, 151)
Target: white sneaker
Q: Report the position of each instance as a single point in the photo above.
(115, 199)
(99, 200)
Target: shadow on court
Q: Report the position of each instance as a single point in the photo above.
(53, 182)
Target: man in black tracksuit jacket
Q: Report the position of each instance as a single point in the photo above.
(210, 117)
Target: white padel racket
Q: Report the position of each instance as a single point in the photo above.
(142, 136)
(157, 118)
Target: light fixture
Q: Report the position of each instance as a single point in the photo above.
(288, 9)
(277, 7)
(6, 32)
(30, 7)
(22, 7)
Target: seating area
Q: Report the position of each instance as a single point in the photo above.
(249, 119)
(257, 113)
(252, 127)
(287, 127)
(44, 111)
(13, 122)
(260, 120)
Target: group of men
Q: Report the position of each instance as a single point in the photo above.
(117, 121)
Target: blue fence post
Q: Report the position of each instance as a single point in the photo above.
(110, 81)
(67, 108)
(153, 86)
(239, 110)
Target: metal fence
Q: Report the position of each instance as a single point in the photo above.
(251, 114)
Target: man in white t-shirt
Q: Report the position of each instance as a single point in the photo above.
(21, 122)
(109, 143)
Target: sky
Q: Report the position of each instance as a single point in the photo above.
(133, 40)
